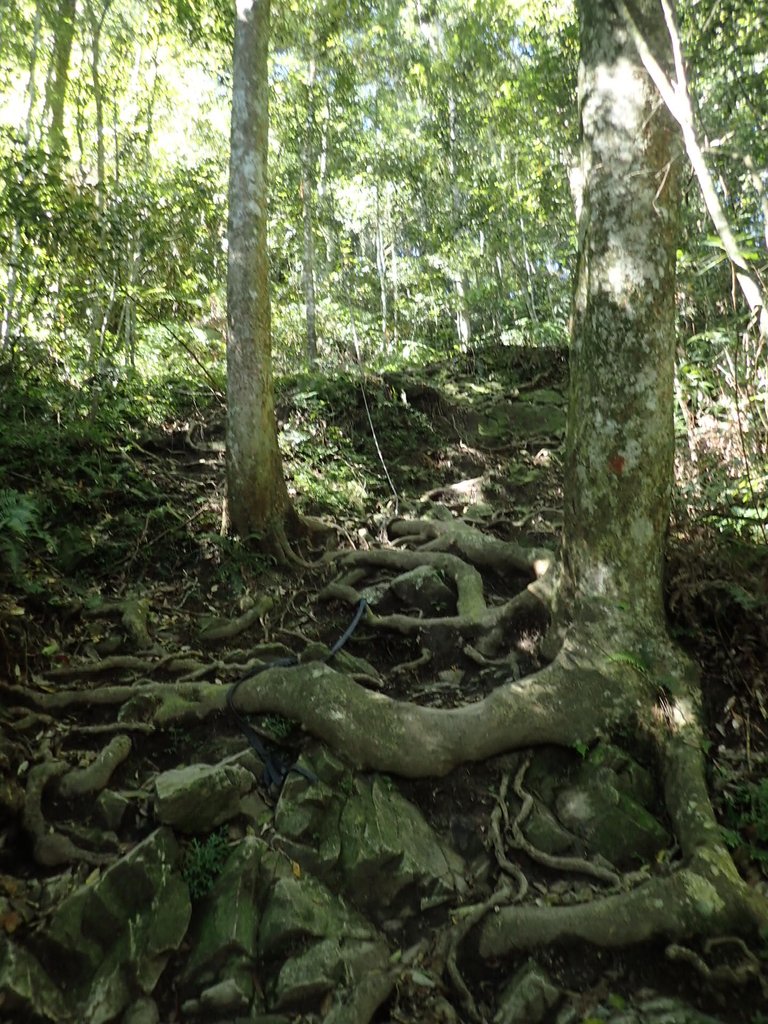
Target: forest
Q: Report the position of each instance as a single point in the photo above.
(383, 512)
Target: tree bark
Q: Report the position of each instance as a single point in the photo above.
(307, 205)
(63, 25)
(620, 436)
(257, 494)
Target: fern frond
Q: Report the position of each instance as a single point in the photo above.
(18, 512)
(635, 663)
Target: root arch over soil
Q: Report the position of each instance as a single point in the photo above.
(608, 678)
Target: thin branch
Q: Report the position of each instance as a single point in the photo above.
(677, 99)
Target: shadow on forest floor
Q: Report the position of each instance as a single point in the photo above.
(116, 574)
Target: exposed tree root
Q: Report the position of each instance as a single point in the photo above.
(229, 628)
(51, 848)
(574, 865)
(378, 733)
(94, 778)
(722, 975)
(475, 547)
(702, 899)
(133, 611)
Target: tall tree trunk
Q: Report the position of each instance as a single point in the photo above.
(63, 25)
(97, 24)
(620, 437)
(381, 268)
(459, 276)
(32, 83)
(530, 294)
(395, 273)
(307, 204)
(257, 495)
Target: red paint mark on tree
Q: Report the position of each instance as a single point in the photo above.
(616, 464)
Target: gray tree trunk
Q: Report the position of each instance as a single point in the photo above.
(307, 203)
(620, 438)
(257, 495)
(63, 25)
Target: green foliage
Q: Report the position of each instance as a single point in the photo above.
(277, 726)
(203, 863)
(78, 491)
(746, 819)
(637, 664)
(19, 525)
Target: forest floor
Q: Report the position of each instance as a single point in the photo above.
(117, 551)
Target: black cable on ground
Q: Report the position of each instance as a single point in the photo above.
(275, 772)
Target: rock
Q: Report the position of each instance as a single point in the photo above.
(551, 768)
(255, 809)
(143, 1011)
(359, 1005)
(111, 808)
(601, 801)
(387, 847)
(546, 833)
(611, 823)
(328, 945)
(199, 797)
(610, 762)
(351, 664)
(365, 837)
(26, 991)
(111, 940)
(527, 997)
(423, 588)
(326, 966)
(301, 910)
(226, 921)
(304, 979)
(227, 996)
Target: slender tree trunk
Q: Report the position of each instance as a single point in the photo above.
(307, 204)
(529, 274)
(325, 218)
(460, 280)
(101, 311)
(395, 272)
(63, 25)
(381, 268)
(679, 104)
(257, 495)
(98, 99)
(32, 83)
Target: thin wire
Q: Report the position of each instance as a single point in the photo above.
(379, 452)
